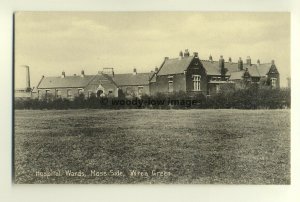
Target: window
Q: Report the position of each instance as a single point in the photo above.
(58, 93)
(273, 82)
(170, 81)
(140, 90)
(69, 93)
(47, 93)
(80, 91)
(196, 82)
(218, 88)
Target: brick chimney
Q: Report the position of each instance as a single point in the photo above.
(248, 60)
(134, 71)
(82, 73)
(196, 54)
(63, 74)
(156, 69)
(186, 53)
(180, 54)
(240, 64)
(221, 63)
(210, 58)
(273, 62)
(229, 59)
(222, 67)
(258, 62)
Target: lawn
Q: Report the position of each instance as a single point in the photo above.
(159, 146)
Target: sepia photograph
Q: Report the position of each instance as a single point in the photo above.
(151, 97)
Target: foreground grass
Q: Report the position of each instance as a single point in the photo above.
(195, 146)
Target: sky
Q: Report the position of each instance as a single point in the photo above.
(52, 42)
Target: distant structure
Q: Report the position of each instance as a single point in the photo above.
(187, 73)
(104, 84)
(24, 93)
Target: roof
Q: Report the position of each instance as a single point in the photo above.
(69, 81)
(131, 79)
(175, 65)
(264, 69)
(237, 75)
(212, 67)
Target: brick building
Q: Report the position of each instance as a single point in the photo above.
(71, 86)
(188, 73)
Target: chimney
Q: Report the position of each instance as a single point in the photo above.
(134, 71)
(63, 74)
(180, 54)
(27, 77)
(166, 58)
(186, 53)
(222, 67)
(82, 73)
(258, 62)
(156, 69)
(221, 63)
(248, 60)
(196, 54)
(229, 59)
(240, 64)
(210, 58)
(273, 62)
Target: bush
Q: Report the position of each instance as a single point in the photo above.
(250, 98)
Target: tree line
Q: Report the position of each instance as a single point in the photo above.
(250, 98)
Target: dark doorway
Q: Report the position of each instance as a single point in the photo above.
(99, 92)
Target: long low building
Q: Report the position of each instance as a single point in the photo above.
(187, 73)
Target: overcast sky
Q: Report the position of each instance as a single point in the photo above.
(50, 42)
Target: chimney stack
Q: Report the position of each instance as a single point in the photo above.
(221, 62)
(156, 69)
(27, 77)
(273, 62)
(222, 67)
(82, 73)
(63, 74)
(134, 71)
(210, 58)
(258, 62)
(180, 54)
(166, 58)
(240, 64)
(196, 54)
(186, 53)
(248, 61)
(229, 59)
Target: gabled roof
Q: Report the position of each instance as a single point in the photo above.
(131, 79)
(69, 81)
(264, 69)
(175, 65)
(212, 67)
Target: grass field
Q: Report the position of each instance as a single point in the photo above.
(184, 146)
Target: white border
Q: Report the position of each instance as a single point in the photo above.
(232, 193)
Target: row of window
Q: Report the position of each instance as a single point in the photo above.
(58, 92)
(196, 83)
